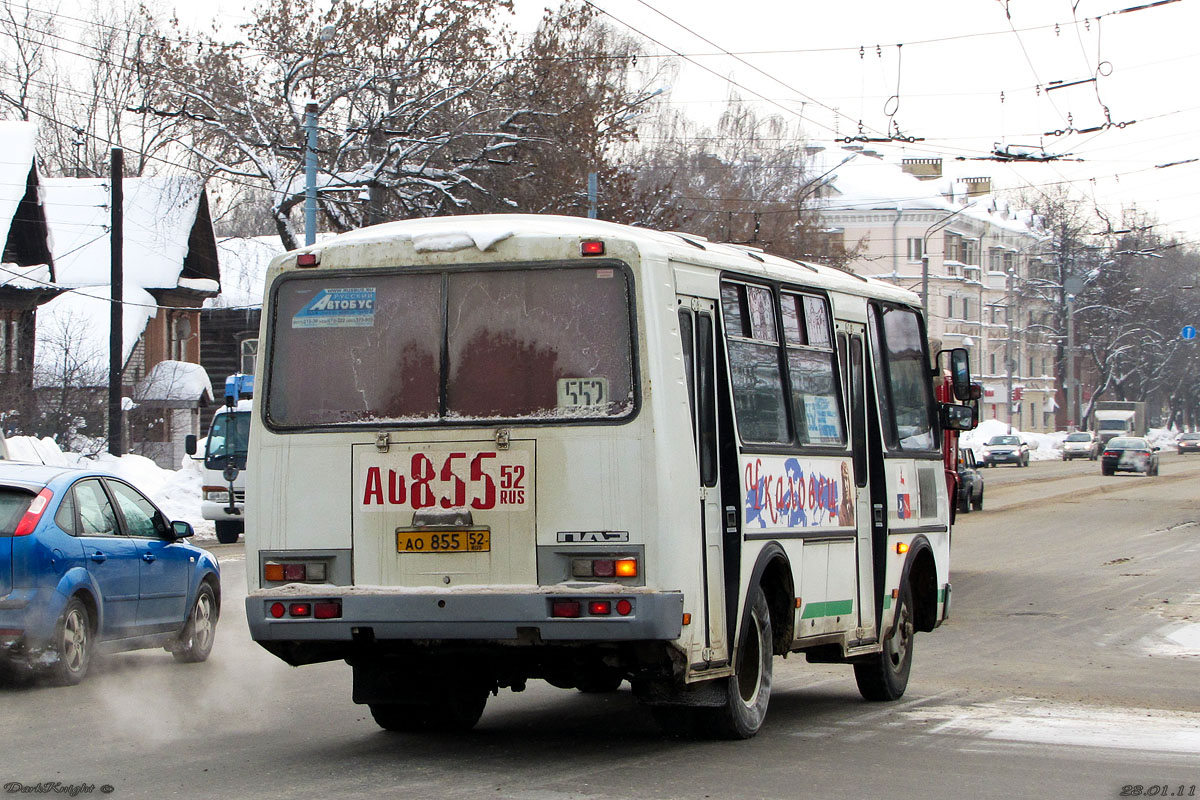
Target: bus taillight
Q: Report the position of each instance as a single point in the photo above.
(604, 568)
(569, 609)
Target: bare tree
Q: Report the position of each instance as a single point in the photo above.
(404, 91)
(69, 381)
(749, 181)
(25, 35)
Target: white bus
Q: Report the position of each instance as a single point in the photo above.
(495, 448)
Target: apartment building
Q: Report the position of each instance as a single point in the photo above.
(972, 255)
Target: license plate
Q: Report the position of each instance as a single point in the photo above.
(476, 541)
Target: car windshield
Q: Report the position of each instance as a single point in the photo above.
(1190, 437)
(1128, 444)
(1004, 440)
(1079, 437)
(228, 440)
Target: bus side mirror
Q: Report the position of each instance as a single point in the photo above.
(957, 418)
(960, 373)
(189, 444)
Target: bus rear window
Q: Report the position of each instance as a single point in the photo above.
(532, 344)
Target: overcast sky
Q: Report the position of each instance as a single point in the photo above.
(966, 76)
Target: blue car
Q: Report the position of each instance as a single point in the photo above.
(88, 564)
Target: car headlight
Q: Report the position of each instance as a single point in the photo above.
(216, 495)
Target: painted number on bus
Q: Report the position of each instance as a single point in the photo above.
(458, 479)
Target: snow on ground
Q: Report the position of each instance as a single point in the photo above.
(176, 492)
(1061, 724)
(1042, 446)
(1179, 639)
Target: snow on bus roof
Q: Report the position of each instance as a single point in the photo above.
(455, 233)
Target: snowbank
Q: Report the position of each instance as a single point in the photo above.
(1043, 446)
(176, 492)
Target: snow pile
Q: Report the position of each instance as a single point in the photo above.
(176, 492)
(176, 380)
(36, 451)
(1028, 720)
(1042, 446)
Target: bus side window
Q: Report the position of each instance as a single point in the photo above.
(858, 410)
(754, 367)
(687, 340)
(906, 401)
(816, 396)
(706, 384)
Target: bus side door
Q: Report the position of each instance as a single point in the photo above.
(697, 318)
(852, 355)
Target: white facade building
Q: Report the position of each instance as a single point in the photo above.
(977, 257)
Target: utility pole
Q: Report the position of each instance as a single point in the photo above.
(116, 348)
(1008, 344)
(593, 195)
(310, 146)
(310, 174)
(1072, 287)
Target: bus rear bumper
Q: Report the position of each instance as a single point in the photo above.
(541, 615)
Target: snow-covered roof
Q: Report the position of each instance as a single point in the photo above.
(484, 233)
(35, 277)
(175, 380)
(17, 144)
(862, 182)
(72, 334)
(160, 215)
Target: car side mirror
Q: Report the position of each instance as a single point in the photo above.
(182, 529)
(189, 444)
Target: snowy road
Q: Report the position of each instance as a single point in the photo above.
(1068, 669)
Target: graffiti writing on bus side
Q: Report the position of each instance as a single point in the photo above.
(445, 480)
(791, 493)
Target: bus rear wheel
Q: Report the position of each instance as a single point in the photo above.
(885, 675)
(452, 708)
(748, 690)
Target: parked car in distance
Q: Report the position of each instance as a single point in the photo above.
(89, 564)
(970, 482)
(1005, 449)
(1081, 444)
(1188, 443)
(1129, 454)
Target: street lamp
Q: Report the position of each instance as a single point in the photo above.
(310, 149)
(937, 226)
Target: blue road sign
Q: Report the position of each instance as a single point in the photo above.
(1188, 332)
